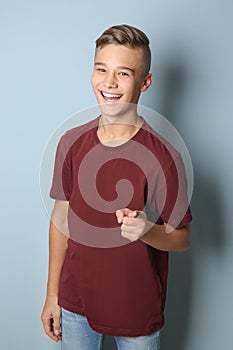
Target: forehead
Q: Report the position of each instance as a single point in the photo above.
(119, 55)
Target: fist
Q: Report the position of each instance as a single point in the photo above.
(133, 223)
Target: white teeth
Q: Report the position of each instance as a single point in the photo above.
(105, 94)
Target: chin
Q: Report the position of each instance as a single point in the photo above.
(117, 110)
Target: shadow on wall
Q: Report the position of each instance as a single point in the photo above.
(109, 343)
(174, 82)
(207, 223)
(207, 229)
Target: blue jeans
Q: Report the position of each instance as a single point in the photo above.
(78, 335)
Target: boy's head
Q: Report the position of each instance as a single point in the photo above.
(129, 36)
(122, 64)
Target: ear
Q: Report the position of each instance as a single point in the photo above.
(146, 82)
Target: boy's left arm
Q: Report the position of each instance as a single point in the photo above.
(134, 226)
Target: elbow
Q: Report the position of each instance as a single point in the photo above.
(182, 248)
(184, 243)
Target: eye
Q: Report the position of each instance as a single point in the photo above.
(123, 74)
(101, 70)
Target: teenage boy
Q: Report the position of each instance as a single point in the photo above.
(119, 287)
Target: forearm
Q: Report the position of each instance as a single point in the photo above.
(57, 250)
(157, 237)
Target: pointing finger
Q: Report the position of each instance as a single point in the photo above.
(121, 213)
(133, 214)
(120, 216)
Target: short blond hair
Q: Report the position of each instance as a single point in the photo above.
(127, 35)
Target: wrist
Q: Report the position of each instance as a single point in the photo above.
(51, 300)
(52, 293)
(148, 227)
(51, 296)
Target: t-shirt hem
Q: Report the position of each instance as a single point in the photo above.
(125, 332)
(70, 307)
(109, 330)
(59, 196)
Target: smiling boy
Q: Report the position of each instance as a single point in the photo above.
(117, 288)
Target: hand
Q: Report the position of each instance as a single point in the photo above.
(133, 223)
(50, 318)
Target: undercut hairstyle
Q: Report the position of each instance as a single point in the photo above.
(127, 35)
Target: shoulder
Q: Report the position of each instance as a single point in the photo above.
(162, 149)
(78, 133)
(81, 129)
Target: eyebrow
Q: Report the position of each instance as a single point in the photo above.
(120, 67)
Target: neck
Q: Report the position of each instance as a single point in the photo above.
(119, 113)
(115, 130)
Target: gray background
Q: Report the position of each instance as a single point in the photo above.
(46, 62)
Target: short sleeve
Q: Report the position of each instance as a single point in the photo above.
(172, 196)
(62, 176)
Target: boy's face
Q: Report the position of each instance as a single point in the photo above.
(118, 74)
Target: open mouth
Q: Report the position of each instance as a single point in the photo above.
(110, 98)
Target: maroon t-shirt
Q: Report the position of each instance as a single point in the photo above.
(119, 286)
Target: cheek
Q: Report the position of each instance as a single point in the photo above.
(132, 86)
(127, 86)
(95, 80)
(135, 90)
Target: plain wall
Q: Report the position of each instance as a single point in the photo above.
(46, 62)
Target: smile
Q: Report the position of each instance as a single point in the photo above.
(110, 97)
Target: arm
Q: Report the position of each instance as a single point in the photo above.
(134, 226)
(58, 236)
(176, 240)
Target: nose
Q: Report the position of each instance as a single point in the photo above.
(110, 81)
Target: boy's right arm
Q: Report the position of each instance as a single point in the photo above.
(58, 236)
